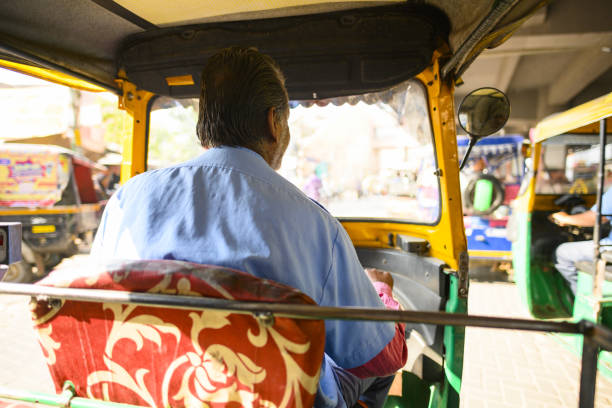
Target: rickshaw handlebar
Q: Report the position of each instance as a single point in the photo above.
(267, 311)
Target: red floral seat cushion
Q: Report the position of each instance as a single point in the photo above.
(158, 356)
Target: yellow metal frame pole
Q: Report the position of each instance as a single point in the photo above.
(135, 102)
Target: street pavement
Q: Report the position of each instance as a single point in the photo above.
(510, 368)
(22, 365)
(502, 368)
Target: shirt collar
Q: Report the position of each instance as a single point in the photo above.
(237, 157)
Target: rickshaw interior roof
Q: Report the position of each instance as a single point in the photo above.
(326, 48)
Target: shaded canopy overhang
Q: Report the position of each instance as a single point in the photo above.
(583, 119)
(325, 48)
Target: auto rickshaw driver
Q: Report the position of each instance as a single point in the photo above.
(229, 207)
(570, 253)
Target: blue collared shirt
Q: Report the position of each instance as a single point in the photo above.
(606, 208)
(228, 207)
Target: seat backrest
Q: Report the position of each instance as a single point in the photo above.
(160, 356)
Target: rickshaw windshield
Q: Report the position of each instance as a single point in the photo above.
(568, 165)
(367, 156)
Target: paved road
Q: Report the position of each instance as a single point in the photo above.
(502, 368)
(22, 365)
(505, 368)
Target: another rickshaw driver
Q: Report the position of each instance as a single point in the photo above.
(229, 207)
(570, 253)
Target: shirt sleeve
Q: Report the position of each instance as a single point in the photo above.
(606, 203)
(98, 245)
(113, 240)
(352, 344)
(393, 357)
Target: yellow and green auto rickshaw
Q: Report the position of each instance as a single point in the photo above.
(382, 90)
(567, 172)
(52, 193)
(489, 184)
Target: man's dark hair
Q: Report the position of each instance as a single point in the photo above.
(239, 86)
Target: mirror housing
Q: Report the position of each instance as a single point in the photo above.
(482, 112)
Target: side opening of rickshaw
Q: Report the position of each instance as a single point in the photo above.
(490, 181)
(50, 190)
(395, 59)
(567, 171)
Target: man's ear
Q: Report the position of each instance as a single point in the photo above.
(274, 127)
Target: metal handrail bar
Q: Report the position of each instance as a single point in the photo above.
(599, 274)
(599, 334)
(588, 373)
(65, 399)
(600, 185)
(300, 311)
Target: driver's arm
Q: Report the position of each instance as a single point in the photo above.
(585, 219)
(395, 353)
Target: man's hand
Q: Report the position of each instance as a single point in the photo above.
(560, 218)
(584, 219)
(378, 275)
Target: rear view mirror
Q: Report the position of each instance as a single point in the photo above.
(483, 112)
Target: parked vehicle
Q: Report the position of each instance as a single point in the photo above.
(489, 183)
(566, 172)
(50, 191)
(401, 60)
